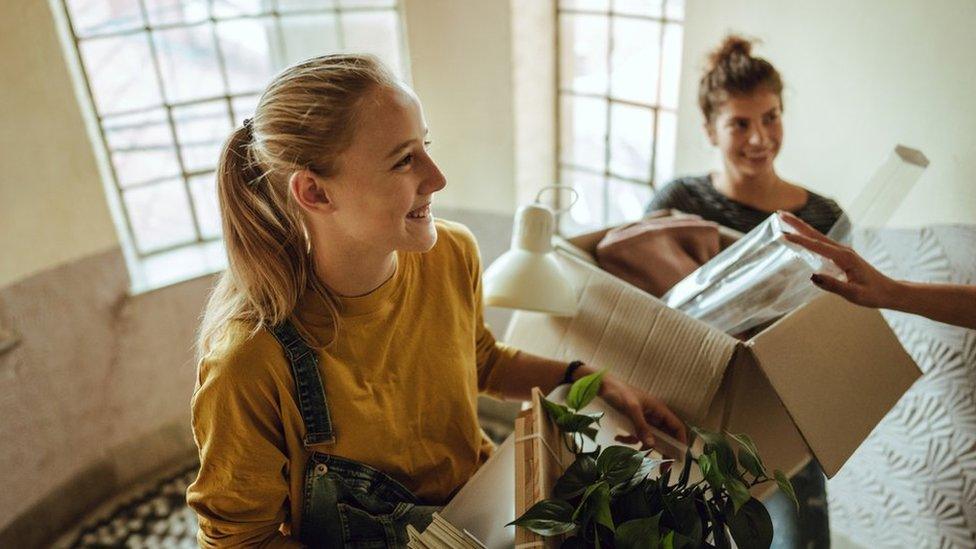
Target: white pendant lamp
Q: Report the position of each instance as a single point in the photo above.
(528, 276)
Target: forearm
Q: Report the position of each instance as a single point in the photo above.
(950, 303)
(526, 371)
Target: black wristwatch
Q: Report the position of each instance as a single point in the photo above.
(570, 370)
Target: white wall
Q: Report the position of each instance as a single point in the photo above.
(860, 77)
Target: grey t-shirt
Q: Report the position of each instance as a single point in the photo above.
(696, 195)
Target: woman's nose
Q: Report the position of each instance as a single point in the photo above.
(434, 180)
(759, 135)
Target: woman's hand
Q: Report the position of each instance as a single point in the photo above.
(643, 410)
(865, 285)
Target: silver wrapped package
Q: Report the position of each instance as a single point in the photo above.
(757, 279)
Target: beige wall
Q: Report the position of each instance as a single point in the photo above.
(52, 202)
(860, 77)
(460, 52)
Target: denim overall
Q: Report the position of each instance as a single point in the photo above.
(345, 503)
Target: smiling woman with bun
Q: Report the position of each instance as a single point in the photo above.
(741, 99)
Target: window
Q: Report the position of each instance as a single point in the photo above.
(619, 68)
(168, 80)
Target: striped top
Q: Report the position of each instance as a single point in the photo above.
(696, 195)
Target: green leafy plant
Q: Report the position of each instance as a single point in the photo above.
(607, 499)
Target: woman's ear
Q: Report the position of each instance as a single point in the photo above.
(309, 191)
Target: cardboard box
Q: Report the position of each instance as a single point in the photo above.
(818, 380)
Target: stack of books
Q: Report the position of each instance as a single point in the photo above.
(441, 534)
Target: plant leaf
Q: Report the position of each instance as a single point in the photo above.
(738, 492)
(639, 533)
(590, 432)
(555, 410)
(749, 455)
(686, 469)
(787, 487)
(647, 465)
(584, 390)
(618, 464)
(577, 478)
(574, 423)
(709, 468)
(716, 443)
(549, 517)
(751, 527)
(667, 542)
(594, 507)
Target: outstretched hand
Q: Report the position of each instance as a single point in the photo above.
(644, 411)
(865, 285)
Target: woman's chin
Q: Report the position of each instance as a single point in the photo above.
(420, 238)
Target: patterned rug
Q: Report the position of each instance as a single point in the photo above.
(152, 517)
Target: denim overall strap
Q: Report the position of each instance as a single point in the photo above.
(308, 385)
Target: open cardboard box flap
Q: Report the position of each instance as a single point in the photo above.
(819, 379)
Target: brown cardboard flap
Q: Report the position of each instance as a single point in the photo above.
(747, 403)
(629, 332)
(838, 369)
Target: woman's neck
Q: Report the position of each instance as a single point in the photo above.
(748, 189)
(351, 273)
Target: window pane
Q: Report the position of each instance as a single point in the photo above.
(163, 12)
(204, 190)
(674, 9)
(244, 107)
(627, 201)
(201, 130)
(367, 3)
(377, 33)
(232, 8)
(671, 65)
(583, 123)
(100, 16)
(635, 60)
(308, 36)
(246, 45)
(587, 212)
(630, 141)
(160, 215)
(188, 61)
(141, 146)
(304, 5)
(667, 138)
(649, 8)
(120, 73)
(602, 5)
(583, 53)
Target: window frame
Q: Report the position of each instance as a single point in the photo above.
(204, 254)
(563, 92)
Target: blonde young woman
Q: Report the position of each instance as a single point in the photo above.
(342, 352)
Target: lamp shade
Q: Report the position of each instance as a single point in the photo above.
(528, 276)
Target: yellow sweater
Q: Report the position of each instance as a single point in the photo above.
(401, 382)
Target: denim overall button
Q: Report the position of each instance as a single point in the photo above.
(321, 469)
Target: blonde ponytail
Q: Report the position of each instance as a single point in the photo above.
(304, 119)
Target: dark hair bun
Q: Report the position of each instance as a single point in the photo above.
(734, 45)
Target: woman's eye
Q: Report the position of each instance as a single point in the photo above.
(405, 161)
